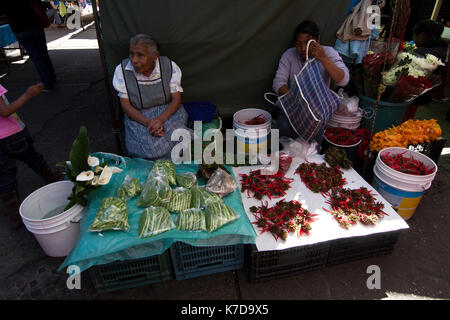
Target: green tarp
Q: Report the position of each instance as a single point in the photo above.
(95, 248)
(228, 50)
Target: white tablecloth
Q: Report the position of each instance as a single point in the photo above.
(325, 227)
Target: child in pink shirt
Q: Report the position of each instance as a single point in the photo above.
(16, 143)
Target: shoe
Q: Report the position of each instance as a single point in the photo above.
(442, 100)
(11, 201)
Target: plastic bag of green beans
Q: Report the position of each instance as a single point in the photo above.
(153, 221)
(130, 188)
(112, 214)
(201, 197)
(218, 214)
(180, 200)
(186, 180)
(164, 168)
(156, 192)
(191, 220)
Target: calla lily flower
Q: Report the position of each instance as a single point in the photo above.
(93, 161)
(95, 181)
(105, 177)
(85, 176)
(113, 169)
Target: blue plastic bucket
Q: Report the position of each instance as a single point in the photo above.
(388, 115)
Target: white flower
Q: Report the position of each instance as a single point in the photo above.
(93, 161)
(416, 72)
(107, 173)
(434, 60)
(85, 176)
(105, 177)
(95, 181)
(113, 169)
(423, 64)
(389, 77)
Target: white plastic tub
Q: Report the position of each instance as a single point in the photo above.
(251, 138)
(56, 234)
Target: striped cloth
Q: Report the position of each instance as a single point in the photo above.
(309, 103)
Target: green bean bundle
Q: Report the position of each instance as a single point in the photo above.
(156, 192)
(164, 168)
(191, 220)
(180, 200)
(130, 188)
(201, 197)
(186, 180)
(153, 221)
(112, 214)
(218, 214)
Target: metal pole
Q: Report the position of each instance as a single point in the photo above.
(437, 8)
(101, 49)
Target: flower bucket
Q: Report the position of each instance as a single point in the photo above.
(55, 230)
(389, 114)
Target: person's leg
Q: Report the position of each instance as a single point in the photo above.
(8, 186)
(20, 146)
(34, 43)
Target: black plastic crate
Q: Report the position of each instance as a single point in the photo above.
(131, 273)
(355, 248)
(191, 261)
(269, 265)
(432, 149)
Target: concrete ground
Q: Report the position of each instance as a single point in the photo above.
(417, 268)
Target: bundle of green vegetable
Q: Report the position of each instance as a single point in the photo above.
(112, 214)
(218, 214)
(156, 192)
(164, 168)
(130, 188)
(191, 220)
(180, 200)
(200, 197)
(153, 221)
(186, 180)
(337, 158)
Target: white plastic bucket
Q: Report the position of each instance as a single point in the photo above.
(346, 121)
(403, 191)
(251, 138)
(56, 234)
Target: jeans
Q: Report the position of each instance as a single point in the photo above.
(35, 43)
(18, 146)
(54, 16)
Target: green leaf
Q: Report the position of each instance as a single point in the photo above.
(80, 151)
(79, 189)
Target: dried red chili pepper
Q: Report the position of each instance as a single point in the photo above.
(256, 120)
(352, 205)
(342, 136)
(271, 185)
(405, 165)
(283, 218)
(320, 178)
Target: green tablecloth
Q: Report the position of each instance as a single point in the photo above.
(93, 248)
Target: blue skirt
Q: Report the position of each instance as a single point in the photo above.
(142, 144)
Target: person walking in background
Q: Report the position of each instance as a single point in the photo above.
(16, 143)
(27, 21)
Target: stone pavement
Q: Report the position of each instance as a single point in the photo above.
(417, 269)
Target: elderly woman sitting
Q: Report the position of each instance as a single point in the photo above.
(149, 88)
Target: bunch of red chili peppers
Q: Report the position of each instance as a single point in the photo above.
(402, 164)
(342, 136)
(256, 120)
(283, 218)
(271, 185)
(352, 205)
(320, 178)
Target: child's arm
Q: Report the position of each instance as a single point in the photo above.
(32, 91)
